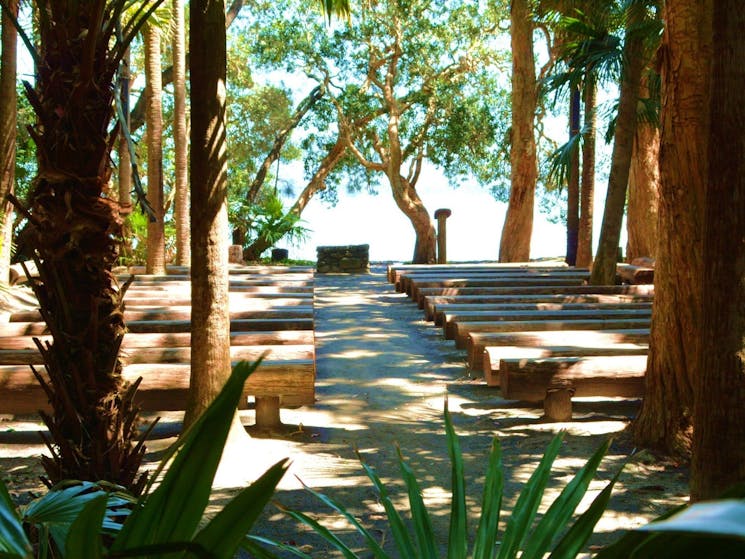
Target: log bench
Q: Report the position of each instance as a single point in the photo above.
(397, 272)
(478, 341)
(493, 355)
(555, 381)
(552, 320)
(523, 281)
(433, 305)
(407, 281)
(181, 313)
(534, 290)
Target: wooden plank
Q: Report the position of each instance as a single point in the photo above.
(535, 290)
(171, 326)
(432, 304)
(494, 354)
(405, 281)
(460, 330)
(184, 313)
(477, 312)
(627, 273)
(617, 376)
(185, 290)
(416, 287)
(235, 300)
(232, 269)
(165, 386)
(396, 270)
(155, 355)
(180, 339)
(478, 341)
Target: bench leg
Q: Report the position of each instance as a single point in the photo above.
(557, 405)
(267, 412)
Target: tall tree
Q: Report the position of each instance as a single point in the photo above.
(587, 187)
(514, 245)
(180, 140)
(156, 232)
(75, 235)
(8, 102)
(664, 421)
(604, 265)
(644, 180)
(573, 175)
(719, 414)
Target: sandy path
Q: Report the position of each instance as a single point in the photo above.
(382, 377)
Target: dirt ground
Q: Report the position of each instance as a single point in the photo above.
(383, 376)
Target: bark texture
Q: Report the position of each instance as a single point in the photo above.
(604, 266)
(573, 180)
(719, 414)
(8, 113)
(514, 245)
(210, 324)
(644, 184)
(180, 140)
(156, 234)
(665, 417)
(587, 189)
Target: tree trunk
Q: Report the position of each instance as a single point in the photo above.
(665, 417)
(181, 206)
(156, 234)
(125, 161)
(210, 317)
(604, 266)
(587, 190)
(644, 184)
(514, 245)
(408, 201)
(573, 180)
(719, 414)
(8, 112)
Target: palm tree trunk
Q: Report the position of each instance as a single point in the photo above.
(665, 418)
(587, 191)
(514, 245)
(181, 207)
(156, 248)
(8, 113)
(604, 266)
(573, 177)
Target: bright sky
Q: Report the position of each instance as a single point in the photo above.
(473, 229)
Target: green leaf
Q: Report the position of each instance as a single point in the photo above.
(491, 504)
(425, 537)
(321, 531)
(561, 510)
(624, 547)
(575, 539)
(398, 529)
(251, 544)
(173, 511)
(225, 532)
(372, 544)
(724, 518)
(13, 540)
(527, 504)
(457, 539)
(84, 537)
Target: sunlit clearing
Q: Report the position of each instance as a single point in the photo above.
(575, 428)
(355, 354)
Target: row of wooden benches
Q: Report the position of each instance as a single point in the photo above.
(271, 313)
(540, 334)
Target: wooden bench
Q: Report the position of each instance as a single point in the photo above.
(478, 341)
(534, 290)
(493, 355)
(407, 281)
(397, 271)
(418, 286)
(490, 322)
(432, 305)
(555, 381)
(181, 313)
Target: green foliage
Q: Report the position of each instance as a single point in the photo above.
(166, 520)
(555, 532)
(268, 220)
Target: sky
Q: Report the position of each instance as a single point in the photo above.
(473, 230)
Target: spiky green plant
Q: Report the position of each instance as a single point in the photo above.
(555, 532)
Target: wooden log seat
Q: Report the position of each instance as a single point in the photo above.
(534, 290)
(492, 282)
(561, 378)
(458, 325)
(408, 281)
(435, 306)
(478, 341)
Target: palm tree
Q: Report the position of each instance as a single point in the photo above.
(180, 140)
(7, 134)
(76, 231)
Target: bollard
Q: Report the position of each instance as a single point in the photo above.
(441, 215)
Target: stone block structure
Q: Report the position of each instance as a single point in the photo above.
(350, 259)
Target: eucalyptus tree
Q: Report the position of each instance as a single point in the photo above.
(411, 81)
(75, 234)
